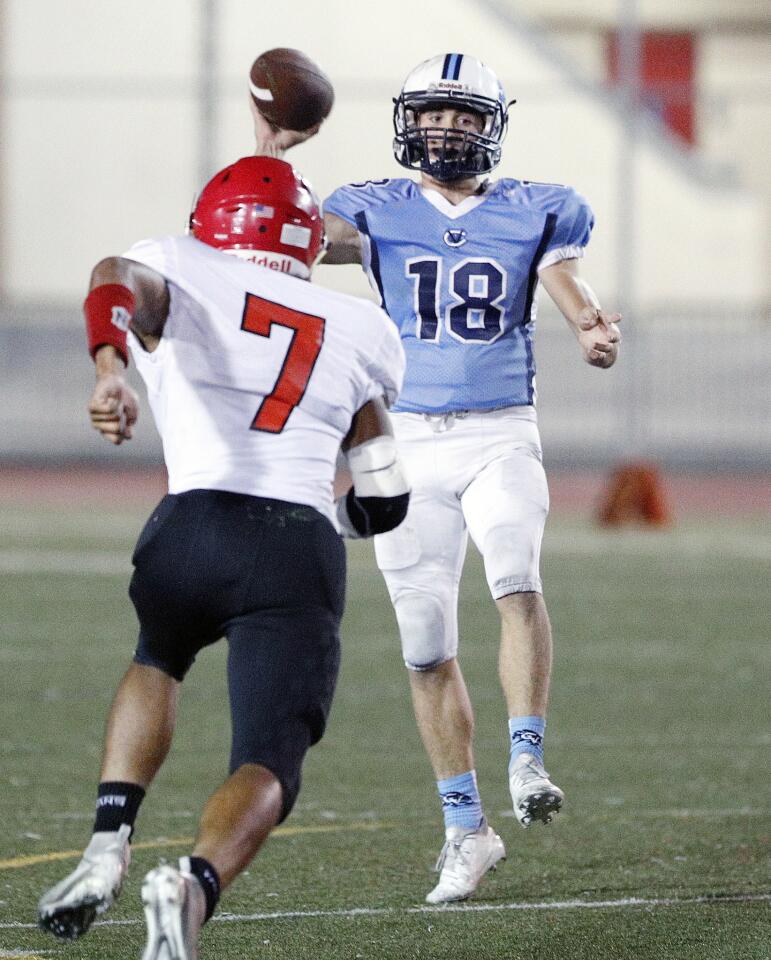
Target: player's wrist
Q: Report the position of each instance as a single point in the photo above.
(108, 362)
(108, 310)
(587, 317)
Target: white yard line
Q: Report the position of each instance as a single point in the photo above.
(647, 902)
(27, 953)
(615, 810)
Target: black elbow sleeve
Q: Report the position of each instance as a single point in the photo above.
(371, 515)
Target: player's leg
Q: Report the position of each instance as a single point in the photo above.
(506, 508)
(525, 657)
(425, 608)
(421, 562)
(282, 668)
(139, 731)
(525, 671)
(237, 819)
(235, 822)
(140, 726)
(444, 716)
(274, 723)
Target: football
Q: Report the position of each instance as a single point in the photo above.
(290, 90)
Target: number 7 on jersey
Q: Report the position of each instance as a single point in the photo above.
(260, 316)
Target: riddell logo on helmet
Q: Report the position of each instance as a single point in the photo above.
(450, 85)
(282, 264)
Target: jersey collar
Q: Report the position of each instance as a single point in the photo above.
(454, 210)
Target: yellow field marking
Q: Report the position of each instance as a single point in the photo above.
(26, 954)
(22, 956)
(16, 862)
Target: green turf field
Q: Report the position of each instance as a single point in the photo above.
(658, 733)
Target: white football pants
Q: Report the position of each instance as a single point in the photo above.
(477, 473)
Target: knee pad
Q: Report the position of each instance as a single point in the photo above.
(427, 629)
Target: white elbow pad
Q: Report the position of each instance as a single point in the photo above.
(376, 469)
(380, 494)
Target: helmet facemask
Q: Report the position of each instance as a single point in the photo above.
(447, 154)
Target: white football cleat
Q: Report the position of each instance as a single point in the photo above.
(68, 909)
(467, 855)
(533, 795)
(174, 909)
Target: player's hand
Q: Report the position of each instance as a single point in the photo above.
(113, 408)
(600, 345)
(272, 141)
(599, 336)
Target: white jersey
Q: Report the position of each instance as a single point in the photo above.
(258, 374)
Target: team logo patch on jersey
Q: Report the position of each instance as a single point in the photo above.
(455, 238)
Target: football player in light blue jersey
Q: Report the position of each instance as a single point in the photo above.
(456, 259)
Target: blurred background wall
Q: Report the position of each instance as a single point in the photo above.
(112, 115)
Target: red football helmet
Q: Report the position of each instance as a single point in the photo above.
(261, 209)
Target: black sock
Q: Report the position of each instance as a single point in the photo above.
(209, 879)
(117, 803)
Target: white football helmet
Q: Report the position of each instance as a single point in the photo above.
(463, 82)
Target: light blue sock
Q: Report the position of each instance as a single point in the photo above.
(461, 805)
(526, 736)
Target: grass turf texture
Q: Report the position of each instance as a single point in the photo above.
(657, 733)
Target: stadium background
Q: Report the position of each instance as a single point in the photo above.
(111, 116)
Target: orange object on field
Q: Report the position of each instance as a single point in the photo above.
(634, 494)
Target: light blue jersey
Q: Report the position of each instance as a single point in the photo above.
(459, 281)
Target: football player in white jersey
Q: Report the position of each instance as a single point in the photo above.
(256, 380)
(457, 259)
